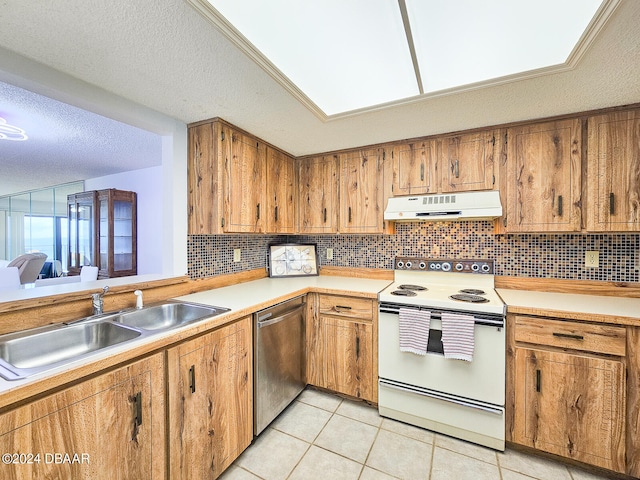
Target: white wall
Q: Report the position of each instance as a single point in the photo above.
(146, 183)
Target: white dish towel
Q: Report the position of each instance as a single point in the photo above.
(413, 328)
(458, 339)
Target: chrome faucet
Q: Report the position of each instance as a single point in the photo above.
(98, 302)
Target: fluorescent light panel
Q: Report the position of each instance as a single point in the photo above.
(344, 55)
(460, 42)
(347, 55)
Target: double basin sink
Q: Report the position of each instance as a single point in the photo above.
(33, 351)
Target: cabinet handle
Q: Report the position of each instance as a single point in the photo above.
(349, 214)
(422, 172)
(538, 380)
(456, 169)
(192, 379)
(568, 335)
(258, 211)
(612, 203)
(559, 205)
(341, 307)
(357, 347)
(325, 215)
(276, 214)
(138, 406)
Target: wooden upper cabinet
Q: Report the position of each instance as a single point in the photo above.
(361, 176)
(280, 192)
(613, 172)
(243, 182)
(318, 195)
(202, 179)
(467, 161)
(543, 177)
(414, 168)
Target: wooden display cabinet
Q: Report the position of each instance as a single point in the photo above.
(103, 232)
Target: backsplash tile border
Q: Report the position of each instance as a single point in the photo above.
(559, 256)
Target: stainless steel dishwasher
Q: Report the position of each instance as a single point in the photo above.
(279, 360)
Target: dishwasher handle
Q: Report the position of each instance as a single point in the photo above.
(265, 321)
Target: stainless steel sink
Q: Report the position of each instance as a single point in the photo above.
(39, 349)
(26, 353)
(167, 315)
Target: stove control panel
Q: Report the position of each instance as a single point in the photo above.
(447, 265)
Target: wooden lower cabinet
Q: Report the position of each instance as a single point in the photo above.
(210, 392)
(567, 390)
(111, 426)
(342, 345)
(571, 405)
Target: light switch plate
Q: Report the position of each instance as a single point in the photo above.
(592, 259)
(237, 254)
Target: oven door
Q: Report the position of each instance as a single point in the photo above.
(479, 382)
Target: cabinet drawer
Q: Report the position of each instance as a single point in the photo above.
(351, 307)
(605, 339)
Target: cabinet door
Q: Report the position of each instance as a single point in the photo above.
(210, 401)
(543, 177)
(318, 195)
(109, 427)
(204, 188)
(83, 226)
(571, 405)
(280, 193)
(414, 168)
(243, 179)
(348, 357)
(361, 175)
(467, 162)
(613, 172)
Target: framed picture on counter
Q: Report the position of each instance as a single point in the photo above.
(292, 260)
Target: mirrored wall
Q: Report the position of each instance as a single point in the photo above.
(36, 221)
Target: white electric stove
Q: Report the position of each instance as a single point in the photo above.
(460, 398)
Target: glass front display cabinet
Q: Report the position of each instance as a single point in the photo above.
(102, 232)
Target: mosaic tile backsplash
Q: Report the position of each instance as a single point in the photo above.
(528, 255)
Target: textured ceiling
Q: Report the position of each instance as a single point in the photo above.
(167, 57)
(66, 143)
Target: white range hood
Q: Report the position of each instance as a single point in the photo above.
(450, 206)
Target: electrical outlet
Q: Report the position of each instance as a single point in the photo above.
(592, 259)
(237, 254)
(329, 253)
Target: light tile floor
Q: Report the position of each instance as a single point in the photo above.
(322, 436)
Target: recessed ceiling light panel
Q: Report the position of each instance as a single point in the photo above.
(460, 42)
(344, 55)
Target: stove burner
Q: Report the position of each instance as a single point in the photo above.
(404, 293)
(412, 287)
(473, 291)
(463, 297)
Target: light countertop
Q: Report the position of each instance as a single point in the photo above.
(258, 294)
(596, 308)
(242, 299)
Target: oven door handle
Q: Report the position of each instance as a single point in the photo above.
(444, 397)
